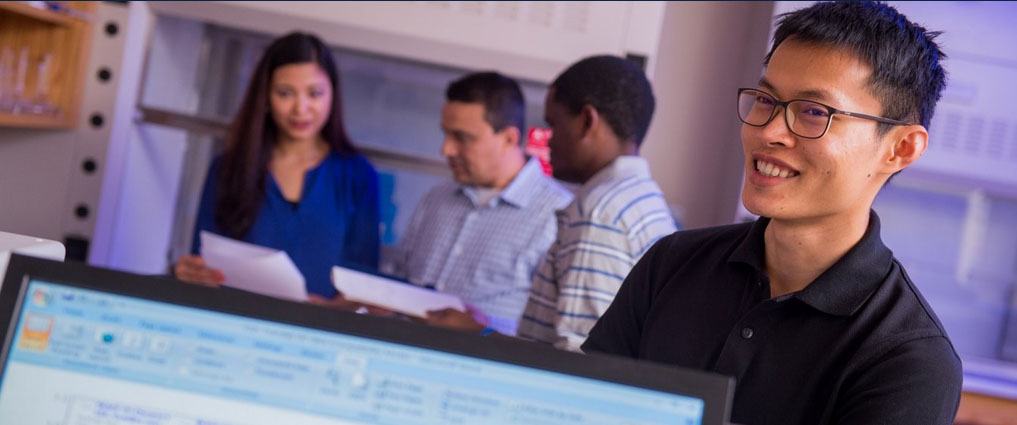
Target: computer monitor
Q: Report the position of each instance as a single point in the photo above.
(83, 345)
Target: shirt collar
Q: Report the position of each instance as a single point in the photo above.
(519, 192)
(844, 287)
(622, 166)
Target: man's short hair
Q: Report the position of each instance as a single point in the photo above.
(617, 88)
(500, 95)
(907, 78)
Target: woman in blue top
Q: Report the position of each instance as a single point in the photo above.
(290, 178)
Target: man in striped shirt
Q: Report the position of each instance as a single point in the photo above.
(481, 236)
(599, 110)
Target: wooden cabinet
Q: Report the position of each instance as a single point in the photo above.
(978, 409)
(43, 56)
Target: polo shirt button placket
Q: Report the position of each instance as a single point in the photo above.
(747, 333)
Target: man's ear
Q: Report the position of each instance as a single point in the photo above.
(511, 136)
(591, 121)
(908, 144)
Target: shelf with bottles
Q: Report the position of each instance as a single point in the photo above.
(43, 53)
(41, 11)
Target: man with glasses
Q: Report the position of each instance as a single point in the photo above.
(806, 307)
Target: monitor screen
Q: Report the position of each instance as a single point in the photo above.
(78, 355)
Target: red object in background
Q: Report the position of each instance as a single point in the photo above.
(536, 145)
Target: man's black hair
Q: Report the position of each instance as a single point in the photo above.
(500, 95)
(617, 88)
(907, 78)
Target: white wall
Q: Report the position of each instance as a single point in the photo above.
(707, 51)
(138, 19)
(35, 166)
(140, 241)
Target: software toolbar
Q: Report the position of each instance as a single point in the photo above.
(107, 340)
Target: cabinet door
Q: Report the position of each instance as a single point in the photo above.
(528, 39)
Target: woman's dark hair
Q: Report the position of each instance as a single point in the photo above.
(240, 188)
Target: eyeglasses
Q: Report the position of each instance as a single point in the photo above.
(804, 118)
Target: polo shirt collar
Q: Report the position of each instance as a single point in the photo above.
(844, 287)
(519, 192)
(622, 167)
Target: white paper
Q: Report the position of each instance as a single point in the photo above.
(253, 268)
(391, 294)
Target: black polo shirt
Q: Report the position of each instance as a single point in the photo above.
(859, 345)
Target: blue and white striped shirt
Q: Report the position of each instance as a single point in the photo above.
(615, 217)
(485, 254)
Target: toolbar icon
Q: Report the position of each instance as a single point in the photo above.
(159, 345)
(35, 334)
(41, 298)
(105, 336)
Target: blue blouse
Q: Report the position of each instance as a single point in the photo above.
(334, 223)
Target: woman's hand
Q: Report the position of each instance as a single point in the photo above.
(192, 268)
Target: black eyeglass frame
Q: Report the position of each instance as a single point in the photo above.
(829, 120)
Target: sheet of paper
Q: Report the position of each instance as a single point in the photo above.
(391, 294)
(253, 268)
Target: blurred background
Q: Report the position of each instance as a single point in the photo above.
(111, 111)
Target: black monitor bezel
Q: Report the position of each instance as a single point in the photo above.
(22, 269)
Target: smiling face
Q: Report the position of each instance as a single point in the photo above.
(300, 97)
(793, 178)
